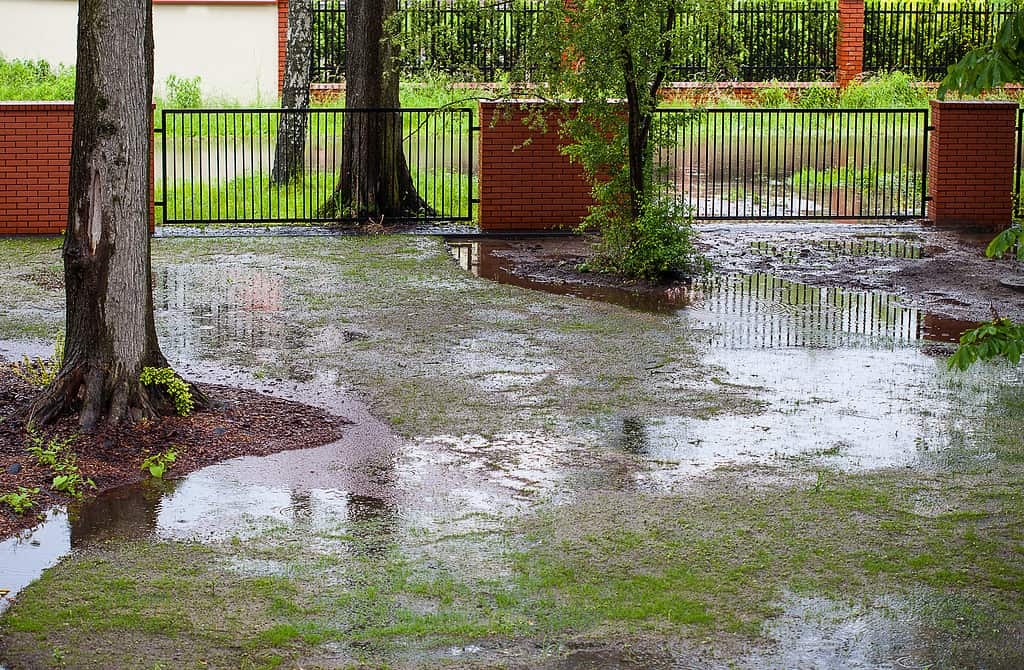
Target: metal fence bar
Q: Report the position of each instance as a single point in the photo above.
(924, 37)
(740, 164)
(216, 165)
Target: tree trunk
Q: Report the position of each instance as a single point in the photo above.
(298, 64)
(111, 334)
(375, 179)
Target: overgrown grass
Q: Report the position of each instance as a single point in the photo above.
(35, 80)
(254, 197)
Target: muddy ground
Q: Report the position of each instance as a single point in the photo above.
(943, 273)
(772, 476)
(238, 423)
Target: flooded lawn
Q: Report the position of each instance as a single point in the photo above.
(748, 472)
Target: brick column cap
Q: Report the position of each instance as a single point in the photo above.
(37, 105)
(968, 104)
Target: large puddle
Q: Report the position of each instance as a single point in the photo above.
(839, 377)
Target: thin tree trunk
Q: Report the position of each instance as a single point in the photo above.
(111, 334)
(375, 179)
(291, 132)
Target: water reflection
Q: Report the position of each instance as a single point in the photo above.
(203, 307)
(754, 310)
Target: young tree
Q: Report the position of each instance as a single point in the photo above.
(111, 335)
(375, 179)
(298, 66)
(982, 69)
(612, 56)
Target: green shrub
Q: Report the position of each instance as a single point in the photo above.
(773, 97)
(40, 372)
(818, 97)
(182, 93)
(35, 80)
(173, 385)
(893, 89)
(657, 244)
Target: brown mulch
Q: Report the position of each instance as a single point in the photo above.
(238, 423)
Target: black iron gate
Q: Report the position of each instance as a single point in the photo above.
(794, 163)
(214, 166)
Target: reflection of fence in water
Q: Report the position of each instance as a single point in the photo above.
(763, 311)
(202, 308)
(907, 249)
(793, 163)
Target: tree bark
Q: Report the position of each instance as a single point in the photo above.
(375, 179)
(291, 131)
(111, 333)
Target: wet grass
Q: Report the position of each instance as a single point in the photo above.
(428, 346)
(940, 543)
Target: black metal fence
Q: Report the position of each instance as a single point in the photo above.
(794, 163)
(216, 166)
(472, 39)
(923, 38)
(788, 41)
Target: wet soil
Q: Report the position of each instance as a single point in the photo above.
(942, 273)
(240, 423)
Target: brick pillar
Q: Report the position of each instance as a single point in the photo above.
(971, 163)
(849, 42)
(282, 42)
(526, 182)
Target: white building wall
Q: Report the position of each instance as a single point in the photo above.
(232, 47)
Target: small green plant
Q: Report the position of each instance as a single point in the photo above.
(173, 385)
(998, 338)
(40, 372)
(157, 464)
(773, 97)
(20, 501)
(183, 93)
(47, 452)
(55, 453)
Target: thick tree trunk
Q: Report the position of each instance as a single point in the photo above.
(298, 64)
(111, 334)
(375, 179)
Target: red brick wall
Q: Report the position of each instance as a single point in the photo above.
(850, 42)
(526, 185)
(282, 41)
(35, 154)
(971, 162)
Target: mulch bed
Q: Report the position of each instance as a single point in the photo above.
(239, 423)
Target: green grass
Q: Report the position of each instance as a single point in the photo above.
(255, 197)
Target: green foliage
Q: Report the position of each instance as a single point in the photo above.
(182, 93)
(998, 338)
(987, 67)
(157, 464)
(174, 386)
(55, 453)
(889, 90)
(773, 97)
(40, 372)
(35, 80)
(1010, 240)
(654, 245)
(623, 50)
(818, 97)
(21, 500)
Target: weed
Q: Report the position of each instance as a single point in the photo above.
(173, 385)
(40, 372)
(157, 464)
(182, 92)
(55, 454)
(20, 501)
